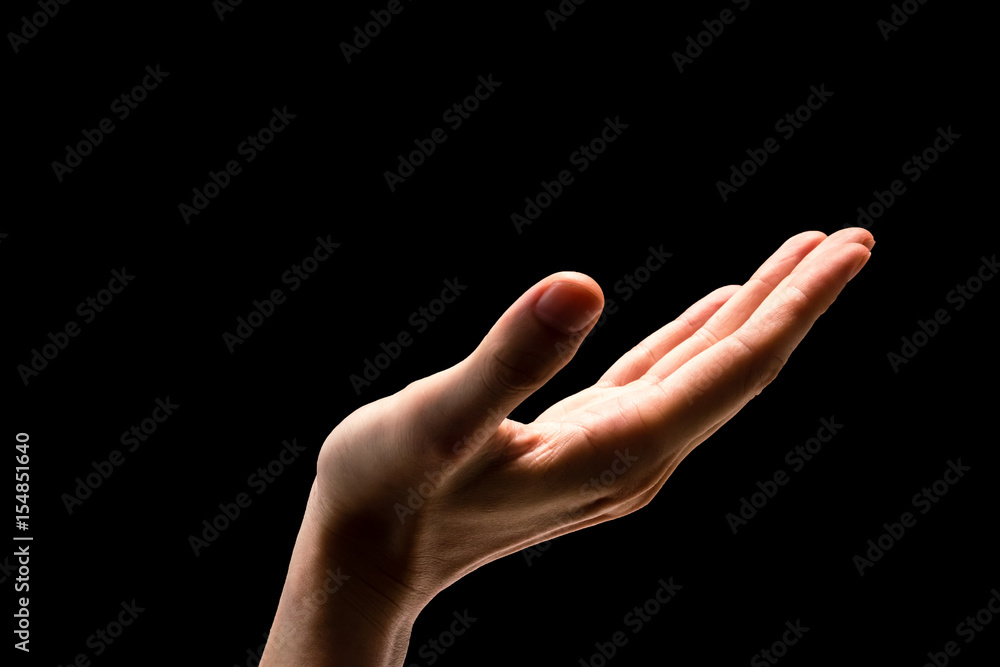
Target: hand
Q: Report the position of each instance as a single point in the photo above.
(420, 488)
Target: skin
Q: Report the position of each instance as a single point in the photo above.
(418, 489)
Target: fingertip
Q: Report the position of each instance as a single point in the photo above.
(811, 235)
(569, 305)
(718, 297)
(845, 259)
(862, 236)
(724, 292)
(861, 261)
(854, 235)
(803, 241)
(580, 279)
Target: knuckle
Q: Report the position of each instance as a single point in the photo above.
(707, 335)
(503, 374)
(767, 370)
(762, 282)
(762, 365)
(795, 295)
(795, 303)
(642, 350)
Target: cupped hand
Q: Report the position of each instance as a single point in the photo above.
(421, 487)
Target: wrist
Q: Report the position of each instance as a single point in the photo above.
(337, 606)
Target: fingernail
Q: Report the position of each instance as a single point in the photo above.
(861, 263)
(567, 307)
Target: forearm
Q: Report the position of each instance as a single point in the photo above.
(328, 615)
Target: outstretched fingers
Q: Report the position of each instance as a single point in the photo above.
(637, 361)
(795, 256)
(720, 380)
(691, 332)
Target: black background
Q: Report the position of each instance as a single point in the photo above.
(323, 175)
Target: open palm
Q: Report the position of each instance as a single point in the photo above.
(440, 481)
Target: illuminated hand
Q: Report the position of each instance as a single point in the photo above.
(418, 489)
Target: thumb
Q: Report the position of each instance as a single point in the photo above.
(531, 341)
